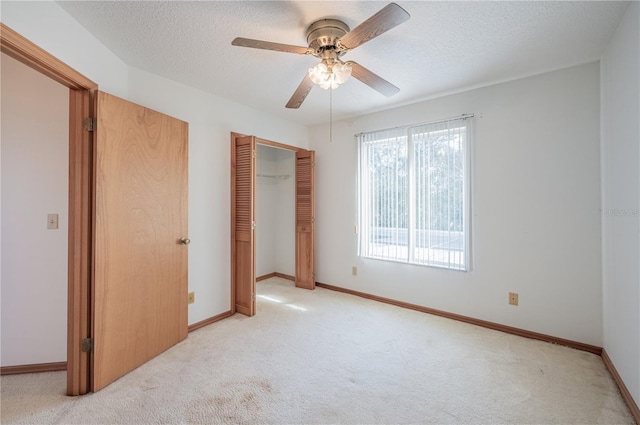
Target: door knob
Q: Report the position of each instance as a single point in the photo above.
(185, 241)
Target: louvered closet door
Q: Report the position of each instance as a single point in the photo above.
(305, 211)
(243, 186)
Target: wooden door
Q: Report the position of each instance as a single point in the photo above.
(243, 184)
(305, 219)
(140, 264)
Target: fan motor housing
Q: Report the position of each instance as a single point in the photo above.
(325, 33)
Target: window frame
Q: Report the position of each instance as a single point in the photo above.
(408, 132)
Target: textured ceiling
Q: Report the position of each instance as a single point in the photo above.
(445, 47)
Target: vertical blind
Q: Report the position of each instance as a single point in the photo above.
(414, 194)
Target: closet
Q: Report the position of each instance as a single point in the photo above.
(275, 212)
(272, 215)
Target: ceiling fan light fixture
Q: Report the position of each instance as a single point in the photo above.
(332, 76)
(330, 39)
(341, 72)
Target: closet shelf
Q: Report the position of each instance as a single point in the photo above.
(274, 176)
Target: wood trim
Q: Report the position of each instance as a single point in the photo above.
(210, 320)
(33, 368)
(285, 276)
(21, 49)
(275, 274)
(80, 241)
(485, 324)
(278, 145)
(624, 391)
(266, 142)
(232, 202)
(80, 196)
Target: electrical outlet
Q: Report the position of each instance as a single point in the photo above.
(354, 270)
(192, 297)
(513, 298)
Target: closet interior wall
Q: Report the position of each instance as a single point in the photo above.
(275, 211)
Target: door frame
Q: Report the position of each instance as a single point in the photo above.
(259, 141)
(81, 94)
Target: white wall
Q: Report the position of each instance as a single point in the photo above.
(211, 120)
(35, 151)
(535, 209)
(621, 199)
(266, 211)
(286, 214)
(52, 28)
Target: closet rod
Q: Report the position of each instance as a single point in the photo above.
(274, 176)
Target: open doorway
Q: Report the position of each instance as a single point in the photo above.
(35, 182)
(275, 213)
(80, 197)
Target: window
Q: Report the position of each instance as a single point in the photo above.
(414, 194)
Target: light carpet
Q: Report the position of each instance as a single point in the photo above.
(323, 357)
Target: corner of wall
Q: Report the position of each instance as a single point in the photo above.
(620, 194)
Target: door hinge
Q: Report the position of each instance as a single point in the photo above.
(87, 345)
(253, 225)
(253, 297)
(90, 124)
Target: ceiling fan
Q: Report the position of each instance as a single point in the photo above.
(328, 40)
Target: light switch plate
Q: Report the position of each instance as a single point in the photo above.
(52, 221)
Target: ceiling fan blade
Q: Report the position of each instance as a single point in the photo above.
(267, 45)
(388, 17)
(301, 93)
(372, 80)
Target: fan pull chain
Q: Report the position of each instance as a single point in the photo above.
(330, 114)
